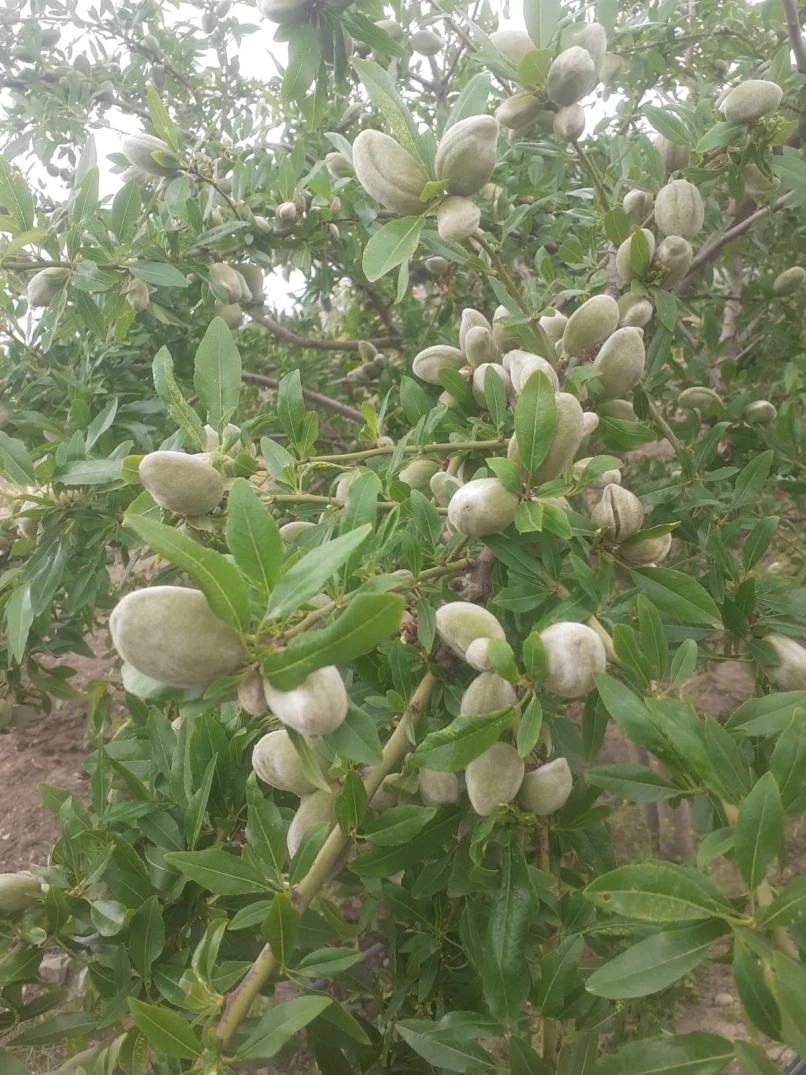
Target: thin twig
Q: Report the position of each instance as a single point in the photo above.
(312, 397)
(709, 250)
(285, 334)
(795, 36)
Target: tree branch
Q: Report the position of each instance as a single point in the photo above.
(795, 36)
(709, 251)
(285, 334)
(312, 397)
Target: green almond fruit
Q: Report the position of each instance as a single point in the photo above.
(480, 378)
(634, 311)
(751, 100)
(285, 12)
(569, 123)
(522, 364)
(590, 324)
(312, 810)
(789, 281)
(484, 506)
(593, 38)
(571, 77)
(428, 363)
(466, 155)
(316, 707)
(418, 474)
(619, 513)
(426, 42)
(457, 219)
(679, 209)
(623, 263)
(45, 284)
(760, 412)
(611, 69)
(251, 696)
(647, 552)
(638, 203)
(150, 154)
(700, 398)
(574, 654)
(436, 788)
(514, 44)
(388, 173)
(494, 777)
(185, 484)
(18, 891)
(460, 622)
(675, 254)
(547, 789)
(674, 158)
(790, 673)
(169, 634)
(277, 763)
(518, 112)
(621, 362)
(471, 319)
(486, 693)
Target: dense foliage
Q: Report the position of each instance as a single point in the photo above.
(525, 460)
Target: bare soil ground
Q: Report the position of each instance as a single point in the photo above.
(51, 749)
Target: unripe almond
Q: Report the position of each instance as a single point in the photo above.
(426, 42)
(567, 438)
(756, 184)
(276, 762)
(443, 486)
(466, 154)
(521, 366)
(505, 336)
(571, 77)
(229, 279)
(638, 203)
(554, 326)
(437, 788)
(790, 673)
(593, 38)
(620, 409)
(460, 622)
(285, 12)
(140, 150)
(518, 112)
(253, 277)
(286, 213)
(623, 263)
(546, 790)
(789, 281)
(316, 707)
(18, 891)
(392, 27)
(760, 412)
(700, 398)
(437, 265)
(590, 420)
(479, 346)
(480, 377)
(428, 363)
(457, 219)
(137, 296)
(312, 810)
(289, 532)
(471, 319)
(620, 513)
(486, 693)
(679, 209)
(574, 653)
(494, 777)
(751, 100)
(634, 311)
(646, 552)
(388, 173)
(251, 696)
(589, 325)
(514, 44)
(45, 284)
(675, 254)
(478, 655)
(483, 506)
(621, 361)
(339, 166)
(611, 69)
(384, 798)
(569, 123)
(610, 477)
(186, 484)
(673, 158)
(418, 474)
(345, 481)
(169, 634)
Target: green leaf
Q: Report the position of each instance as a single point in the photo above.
(19, 617)
(217, 374)
(383, 94)
(666, 307)
(360, 27)
(752, 479)
(505, 974)
(732, 772)
(758, 540)
(351, 803)
(789, 987)
(639, 252)
(67, 1025)
(327, 962)
(217, 578)
(684, 663)
(219, 872)
(535, 420)
(280, 927)
(357, 738)
(391, 245)
(291, 407)
(125, 210)
(464, 739)
(367, 621)
(446, 1055)
(265, 831)
(752, 1058)
(787, 909)
(146, 936)
(656, 962)
(158, 273)
(653, 638)
(10, 1065)
(15, 196)
(636, 783)
(280, 1025)
(768, 716)
(168, 391)
(667, 124)
(533, 68)
(721, 134)
(754, 993)
(398, 825)
(681, 1054)
(253, 537)
(17, 462)
(167, 1031)
(383, 861)
(759, 831)
(495, 396)
(616, 225)
(541, 18)
(472, 101)
(559, 974)
(310, 573)
(304, 60)
(658, 892)
(677, 593)
(161, 120)
(529, 728)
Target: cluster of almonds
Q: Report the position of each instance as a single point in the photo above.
(464, 161)
(241, 284)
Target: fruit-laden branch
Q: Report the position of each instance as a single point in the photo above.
(710, 250)
(318, 345)
(240, 1001)
(795, 36)
(312, 397)
(410, 449)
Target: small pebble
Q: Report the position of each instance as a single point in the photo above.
(724, 1000)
